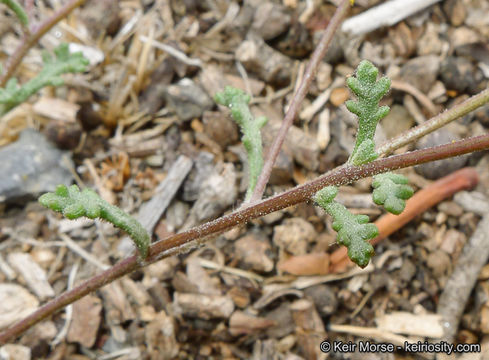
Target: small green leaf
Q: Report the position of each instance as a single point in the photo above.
(237, 101)
(391, 191)
(50, 75)
(73, 204)
(354, 231)
(368, 91)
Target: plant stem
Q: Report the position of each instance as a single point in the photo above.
(29, 9)
(29, 40)
(463, 179)
(435, 123)
(182, 242)
(298, 97)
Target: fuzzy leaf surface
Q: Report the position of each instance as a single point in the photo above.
(369, 92)
(73, 204)
(391, 191)
(50, 75)
(354, 231)
(237, 101)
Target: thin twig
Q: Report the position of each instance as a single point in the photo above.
(172, 51)
(185, 241)
(69, 309)
(385, 14)
(299, 96)
(77, 249)
(375, 333)
(29, 9)
(36, 33)
(457, 289)
(410, 89)
(435, 123)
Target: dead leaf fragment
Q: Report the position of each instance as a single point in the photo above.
(160, 337)
(309, 264)
(86, 321)
(203, 306)
(34, 276)
(241, 323)
(15, 304)
(425, 325)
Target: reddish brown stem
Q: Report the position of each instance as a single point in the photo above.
(424, 199)
(29, 40)
(29, 9)
(298, 97)
(434, 123)
(184, 241)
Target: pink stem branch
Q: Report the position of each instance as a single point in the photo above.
(29, 9)
(298, 97)
(184, 241)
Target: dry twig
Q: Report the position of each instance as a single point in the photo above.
(299, 95)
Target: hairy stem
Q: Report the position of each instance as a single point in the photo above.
(184, 241)
(435, 123)
(29, 40)
(29, 9)
(299, 96)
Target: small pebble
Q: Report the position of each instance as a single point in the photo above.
(324, 299)
(270, 20)
(456, 11)
(188, 99)
(397, 121)
(458, 74)
(15, 352)
(421, 72)
(294, 235)
(261, 59)
(339, 96)
(437, 169)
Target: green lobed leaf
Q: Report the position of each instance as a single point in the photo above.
(237, 101)
(324, 196)
(73, 204)
(391, 191)
(354, 231)
(369, 92)
(50, 75)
